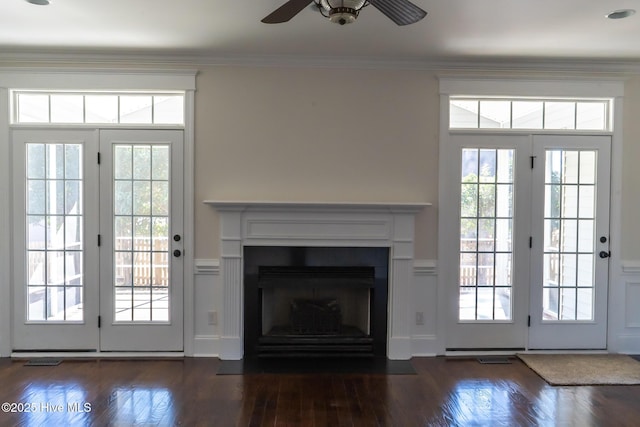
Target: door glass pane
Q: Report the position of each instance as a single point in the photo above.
(141, 225)
(54, 238)
(569, 239)
(486, 230)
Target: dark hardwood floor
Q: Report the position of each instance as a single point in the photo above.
(188, 392)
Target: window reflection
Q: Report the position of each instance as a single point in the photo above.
(56, 405)
(481, 403)
(142, 406)
(502, 403)
(69, 405)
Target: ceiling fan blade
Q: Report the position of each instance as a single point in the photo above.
(402, 12)
(286, 11)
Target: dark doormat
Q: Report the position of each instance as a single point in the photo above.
(494, 360)
(45, 361)
(316, 366)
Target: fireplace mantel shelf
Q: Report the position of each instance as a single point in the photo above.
(393, 207)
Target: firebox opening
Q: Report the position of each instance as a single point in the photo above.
(316, 302)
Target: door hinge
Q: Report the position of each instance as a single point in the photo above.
(529, 321)
(99, 158)
(530, 242)
(99, 322)
(533, 159)
(99, 240)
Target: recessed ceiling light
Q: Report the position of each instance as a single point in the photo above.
(39, 2)
(622, 13)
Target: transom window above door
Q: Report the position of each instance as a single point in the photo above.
(119, 108)
(566, 114)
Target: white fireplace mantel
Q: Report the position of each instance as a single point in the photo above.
(231, 205)
(264, 223)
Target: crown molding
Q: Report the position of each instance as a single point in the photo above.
(188, 59)
(51, 77)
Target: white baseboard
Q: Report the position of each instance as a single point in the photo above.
(424, 345)
(627, 343)
(206, 346)
(98, 355)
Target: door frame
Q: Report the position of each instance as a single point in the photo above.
(533, 86)
(80, 79)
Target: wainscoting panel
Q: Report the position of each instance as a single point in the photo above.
(624, 312)
(632, 304)
(207, 305)
(424, 337)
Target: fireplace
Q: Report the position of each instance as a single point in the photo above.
(315, 301)
(273, 225)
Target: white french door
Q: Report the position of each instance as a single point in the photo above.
(531, 242)
(488, 242)
(97, 261)
(55, 204)
(569, 283)
(141, 271)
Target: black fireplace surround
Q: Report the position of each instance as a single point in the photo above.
(315, 301)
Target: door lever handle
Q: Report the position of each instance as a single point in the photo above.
(605, 254)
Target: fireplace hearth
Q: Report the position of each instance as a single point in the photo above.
(315, 302)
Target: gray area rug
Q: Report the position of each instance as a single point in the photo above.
(584, 369)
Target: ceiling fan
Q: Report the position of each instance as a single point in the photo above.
(402, 12)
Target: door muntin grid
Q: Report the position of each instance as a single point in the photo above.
(54, 232)
(141, 232)
(569, 235)
(486, 234)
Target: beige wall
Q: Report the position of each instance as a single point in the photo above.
(631, 172)
(312, 134)
(302, 134)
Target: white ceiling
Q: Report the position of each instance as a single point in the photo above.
(573, 30)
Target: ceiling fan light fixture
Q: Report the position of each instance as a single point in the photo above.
(621, 13)
(39, 2)
(341, 11)
(401, 12)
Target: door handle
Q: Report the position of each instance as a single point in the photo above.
(177, 253)
(605, 254)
